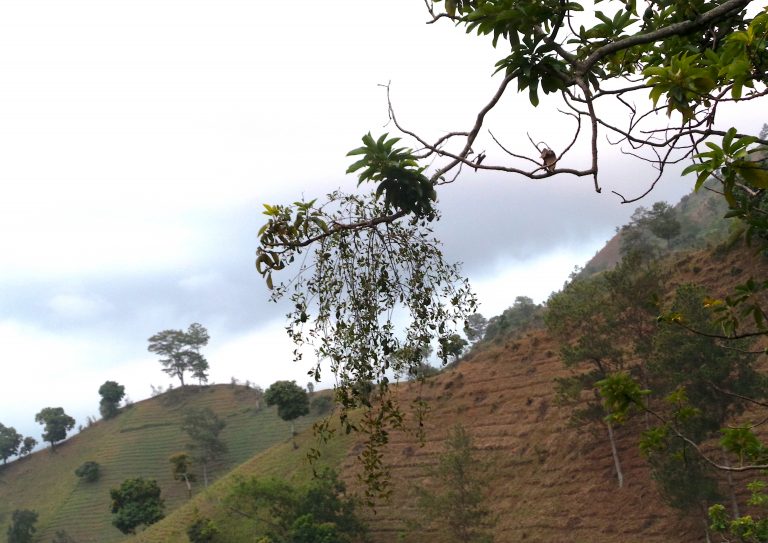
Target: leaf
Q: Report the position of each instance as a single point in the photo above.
(754, 173)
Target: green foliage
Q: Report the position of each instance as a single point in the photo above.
(180, 351)
(10, 441)
(88, 471)
(400, 178)
(62, 536)
(712, 375)
(637, 237)
(321, 405)
(56, 424)
(22, 528)
(27, 446)
(684, 480)
(203, 427)
(523, 315)
(743, 443)
(452, 345)
(202, 530)
(281, 513)
(475, 326)
(458, 507)
(135, 503)
(291, 400)
(111, 394)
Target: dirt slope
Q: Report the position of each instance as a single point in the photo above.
(550, 482)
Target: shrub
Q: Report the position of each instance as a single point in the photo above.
(88, 471)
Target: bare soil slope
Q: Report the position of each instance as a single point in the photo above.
(549, 481)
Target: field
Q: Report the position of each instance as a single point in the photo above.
(137, 443)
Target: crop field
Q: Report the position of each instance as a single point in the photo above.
(137, 443)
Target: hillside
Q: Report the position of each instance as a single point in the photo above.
(550, 481)
(136, 443)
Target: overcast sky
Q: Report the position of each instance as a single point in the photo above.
(138, 140)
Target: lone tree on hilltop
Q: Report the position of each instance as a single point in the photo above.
(203, 427)
(368, 275)
(111, 396)
(136, 502)
(179, 352)
(56, 424)
(291, 400)
(10, 441)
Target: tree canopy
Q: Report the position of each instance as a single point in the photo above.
(179, 352)
(10, 441)
(111, 394)
(203, 427)
(22, 528)
(614, 73)
(136, 502)
(291, 400)
(56, 423)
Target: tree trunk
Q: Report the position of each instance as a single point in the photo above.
(205, 474)
(615, 453)
(731, 491)
(705, 520)
(293, 435)
(189, 486)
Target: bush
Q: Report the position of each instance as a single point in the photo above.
(321, 405)
(203, 530)
(88, 471)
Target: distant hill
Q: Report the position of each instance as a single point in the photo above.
(138, 442)
(701, 217)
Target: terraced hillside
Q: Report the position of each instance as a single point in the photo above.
(136, 443)
(549, 481)
(280, 461)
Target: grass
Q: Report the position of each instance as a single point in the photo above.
(137, 443)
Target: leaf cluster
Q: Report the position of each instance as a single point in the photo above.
(400, 178)
(136, 502)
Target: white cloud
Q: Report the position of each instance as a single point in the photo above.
(74, 306)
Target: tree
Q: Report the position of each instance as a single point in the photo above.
(88, 471)
(291, 400)
(475, 327)
(27, 446)
(458, 507)
(136, 502)
(603, 324)
(320, 512)
(62, 536)
(111, 395)
(22, 526)
(203, 427)
(180, 468)
(10, 440)
(56, 424)
(180, 352)
(662, 221)
(358, 259)
(202, 530)
(452, 345)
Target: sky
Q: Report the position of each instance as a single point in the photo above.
(138, 140)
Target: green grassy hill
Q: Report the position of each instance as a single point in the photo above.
(136, 443)
(280, 461)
